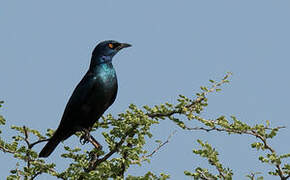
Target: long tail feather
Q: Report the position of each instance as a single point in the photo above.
(50, 146)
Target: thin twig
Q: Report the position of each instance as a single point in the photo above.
(39, 141)
(204, 177)
(144, 157)
(35, 175)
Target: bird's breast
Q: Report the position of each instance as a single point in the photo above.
(107, 76)
(103, 90)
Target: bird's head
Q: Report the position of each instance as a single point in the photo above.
(107, 49)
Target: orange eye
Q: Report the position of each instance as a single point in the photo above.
(111, 45)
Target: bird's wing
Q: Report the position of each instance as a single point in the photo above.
(79, 98)
(67, 125)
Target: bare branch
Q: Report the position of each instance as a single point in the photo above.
(39, 141)
(28, 159)
(144, 157)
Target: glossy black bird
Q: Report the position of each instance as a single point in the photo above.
(92, 96)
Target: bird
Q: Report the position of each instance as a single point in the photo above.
(94, 94)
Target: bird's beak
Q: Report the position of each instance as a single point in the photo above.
(123, 45)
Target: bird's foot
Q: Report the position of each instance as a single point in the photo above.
(87, 137)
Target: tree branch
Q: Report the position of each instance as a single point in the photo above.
(95, 162)
(28, 145)
(6, 150)
(192, 105)
(249, 132)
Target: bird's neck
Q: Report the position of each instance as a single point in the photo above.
(99, 60)
(102, 68)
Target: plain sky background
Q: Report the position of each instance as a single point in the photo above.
(45, 49)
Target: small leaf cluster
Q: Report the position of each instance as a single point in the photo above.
(28, 164)
(208, 152)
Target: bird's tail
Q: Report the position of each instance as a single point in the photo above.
(51, 145)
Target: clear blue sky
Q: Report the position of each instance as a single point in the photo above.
(45, 49)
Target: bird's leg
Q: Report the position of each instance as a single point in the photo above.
(87, 137)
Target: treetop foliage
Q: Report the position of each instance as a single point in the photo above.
(126, 134)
